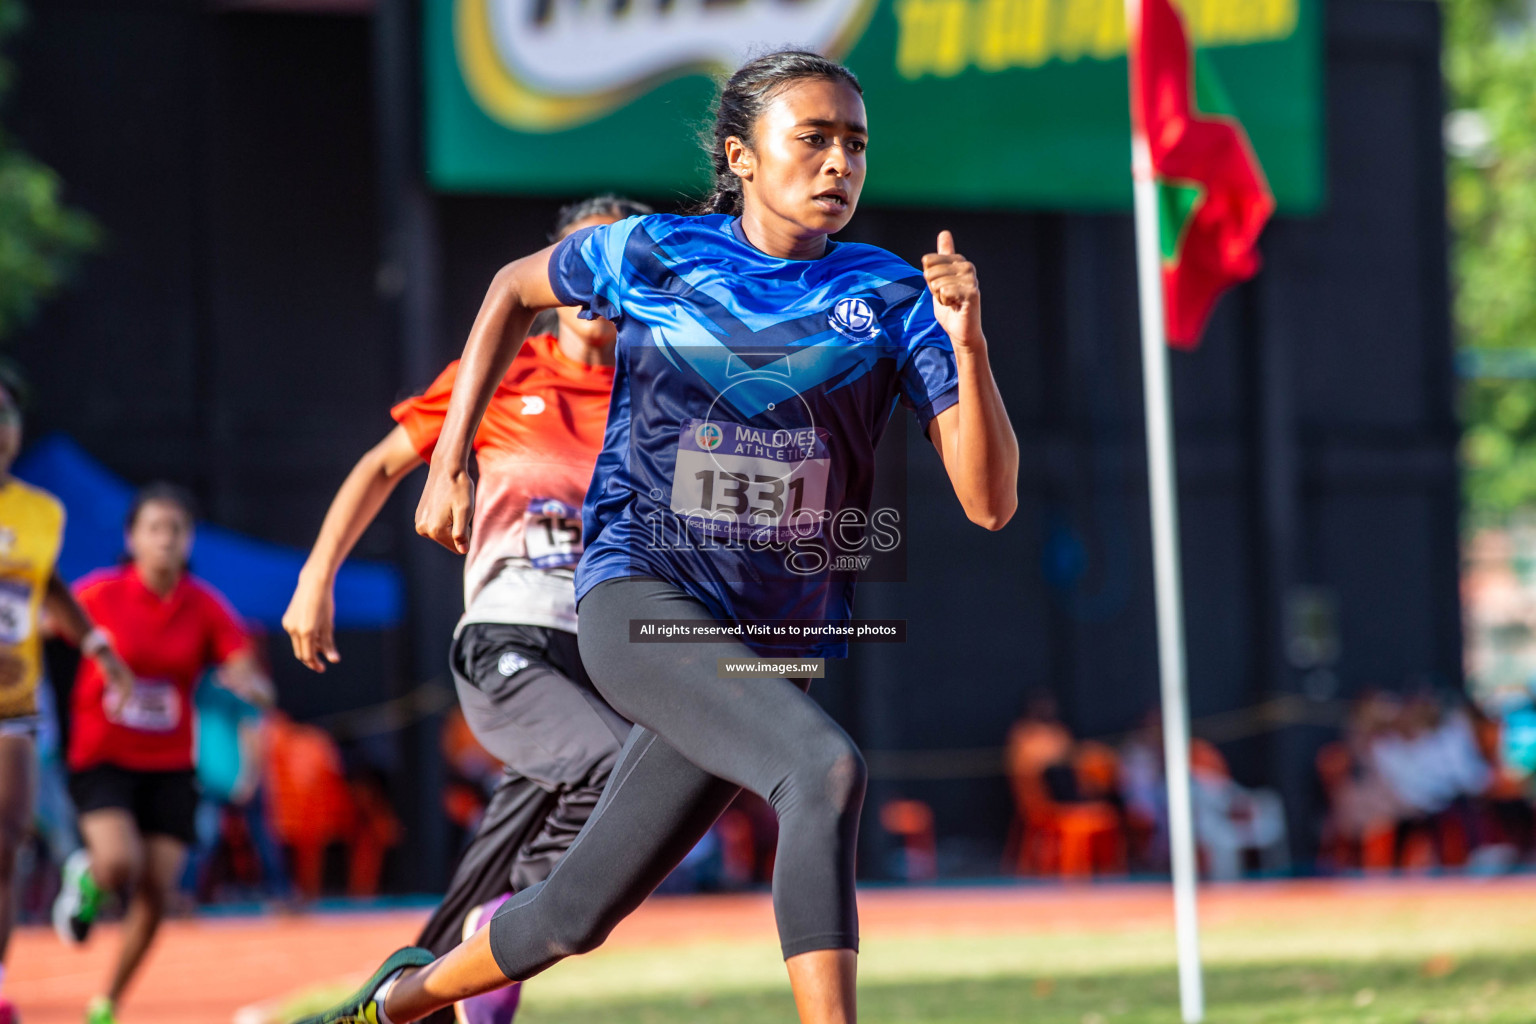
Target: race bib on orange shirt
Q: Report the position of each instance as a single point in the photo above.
(552, 532)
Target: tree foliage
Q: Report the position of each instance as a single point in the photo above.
(1490, 69)
(40, 237)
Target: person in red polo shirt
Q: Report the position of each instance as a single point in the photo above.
(131, 758)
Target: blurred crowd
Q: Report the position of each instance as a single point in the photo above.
(1423, 781)
(1413, 783)
(1418, 782)
(1085, 807)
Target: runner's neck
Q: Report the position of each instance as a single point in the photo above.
(578, 351)
(161, 584)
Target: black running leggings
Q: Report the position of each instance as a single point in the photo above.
(697, 740)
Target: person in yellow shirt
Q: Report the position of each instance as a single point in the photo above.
(31, 533)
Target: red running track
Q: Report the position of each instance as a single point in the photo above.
(201, 971)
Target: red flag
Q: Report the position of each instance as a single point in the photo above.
(1213, 199)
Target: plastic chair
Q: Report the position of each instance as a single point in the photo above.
(912, 822)
(738, 847)
(308, 802)
(1073, 840)
(1374, 850)
(374, 831)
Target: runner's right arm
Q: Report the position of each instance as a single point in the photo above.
(73, 623)
(311, 615)
(518, 292)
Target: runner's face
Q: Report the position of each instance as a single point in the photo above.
(807, 165)
(10, 431)
(161, 539)
(597, 332)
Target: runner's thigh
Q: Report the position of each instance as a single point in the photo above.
(529, 714)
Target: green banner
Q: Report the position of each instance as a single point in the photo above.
(972, 103)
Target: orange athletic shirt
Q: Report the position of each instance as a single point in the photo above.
(536, 447)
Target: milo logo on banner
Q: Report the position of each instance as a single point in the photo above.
(549, 65)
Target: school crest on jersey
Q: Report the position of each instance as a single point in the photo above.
(854, 318)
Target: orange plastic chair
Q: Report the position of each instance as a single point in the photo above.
(1375, 850)
(308, 803)
(375, 829)
(912, 822)
(1073, 840)
(1098, 769)
(737, 847)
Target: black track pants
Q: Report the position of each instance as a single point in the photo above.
(697, 740)
(529, 702)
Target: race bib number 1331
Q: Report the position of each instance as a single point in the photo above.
(761, 482)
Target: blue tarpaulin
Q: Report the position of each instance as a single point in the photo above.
(257, 577)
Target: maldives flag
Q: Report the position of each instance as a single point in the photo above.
(1212, 197)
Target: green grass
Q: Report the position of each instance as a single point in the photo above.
(1396, 962)
(1401, 967)
(1484, 989)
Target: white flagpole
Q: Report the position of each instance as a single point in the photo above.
(1166, 567)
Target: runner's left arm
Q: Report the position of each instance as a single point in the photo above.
(517, 293)
(310, 620)
(74, 624)
(973, 437)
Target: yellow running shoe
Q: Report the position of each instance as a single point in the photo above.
(360, 1007)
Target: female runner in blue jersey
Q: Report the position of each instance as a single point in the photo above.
(758, 363)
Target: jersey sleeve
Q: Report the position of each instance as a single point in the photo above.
(930, 381)
(586, 269)
(422, 416)
(226, 637)
(87, 590)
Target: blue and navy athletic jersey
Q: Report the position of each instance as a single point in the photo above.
(749, 395)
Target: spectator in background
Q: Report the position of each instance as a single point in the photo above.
(231, 772)
(1513, 817)
(1431, 764)
(1362, 805)
(1230, 820)
(1070, 814)
(1144, 792)
(131, 755)
(1039, 744)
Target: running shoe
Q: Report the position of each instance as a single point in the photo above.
(8, 1012)
(79, 899)
(360, 1007)
(99, 1011)
(500, 1006)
